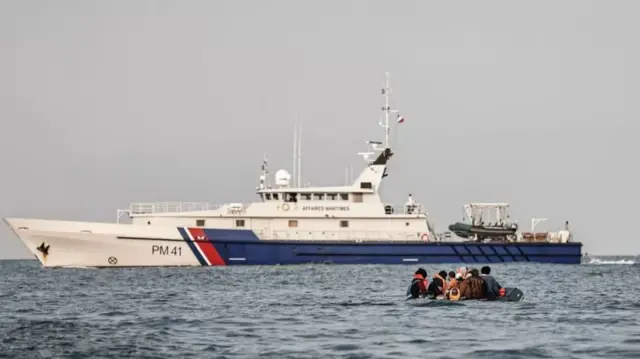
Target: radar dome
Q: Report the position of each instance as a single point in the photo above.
(282, 178)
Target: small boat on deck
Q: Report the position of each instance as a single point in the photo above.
(481, 227)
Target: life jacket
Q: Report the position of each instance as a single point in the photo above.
(454, 294)
(418, 286)
(423, 283)
(502, 292)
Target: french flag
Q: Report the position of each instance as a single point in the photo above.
(400, 119)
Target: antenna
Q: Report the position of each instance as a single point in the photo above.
(263, 173)
(386, 109)
(295, 162)
(378, 146)
(300, 157)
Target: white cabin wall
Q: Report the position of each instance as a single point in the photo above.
(312, 228)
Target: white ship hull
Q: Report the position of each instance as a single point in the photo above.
(86, 244)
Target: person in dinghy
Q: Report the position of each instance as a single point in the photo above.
(464, 284)
(419, 285)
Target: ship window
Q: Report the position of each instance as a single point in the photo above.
(267, 196)
(357, 197)
(344, 224)
(293, 223)
(240, 223)
(366, 185)
(306, 196)
(199, 222)
(344, 196)
(275, 196)
(290, 197)
(317, 196)
(331, 196)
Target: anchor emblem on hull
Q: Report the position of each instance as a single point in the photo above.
(44, 248)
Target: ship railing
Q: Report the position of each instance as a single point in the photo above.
(415, 208)
(356, 236)
(171, 207)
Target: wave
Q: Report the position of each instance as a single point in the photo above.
(597, 261)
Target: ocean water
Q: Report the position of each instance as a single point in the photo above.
(314, 311)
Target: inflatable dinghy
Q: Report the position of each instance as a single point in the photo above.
(511, 295)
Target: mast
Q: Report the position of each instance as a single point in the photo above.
(263, 184)
(295, 153)
(386, 109)
(300, 157)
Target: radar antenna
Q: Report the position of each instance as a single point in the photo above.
(263, 174)
(378, 146)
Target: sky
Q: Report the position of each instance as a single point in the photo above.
(534, 103)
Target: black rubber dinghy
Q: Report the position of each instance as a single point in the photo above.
(511, 295)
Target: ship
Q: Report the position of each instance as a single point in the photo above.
(481, 228)
(288, 224)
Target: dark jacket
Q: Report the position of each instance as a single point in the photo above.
(434, 288)
(472, 288)
(418, 287)
(492, 287)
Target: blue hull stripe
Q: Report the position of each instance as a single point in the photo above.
(237, 247)
(192, 245)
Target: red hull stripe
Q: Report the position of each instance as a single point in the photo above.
(203, 243)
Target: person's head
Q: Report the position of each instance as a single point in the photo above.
(474, 272)
(485, 270)
(422, 272)
(452, 274)
(459, 276)
(443, 274)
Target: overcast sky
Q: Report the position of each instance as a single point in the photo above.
(534, 103)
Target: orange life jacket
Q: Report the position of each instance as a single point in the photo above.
(423, 283)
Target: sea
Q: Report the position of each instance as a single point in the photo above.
(315, 311)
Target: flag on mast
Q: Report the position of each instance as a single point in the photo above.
(400, 119)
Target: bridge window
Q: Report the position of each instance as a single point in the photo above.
(199, 222)
(344, 196)
(306, 196)
(293, 223)
(267, 196)
(344, 224)
(275, 196)
(332, 196)
(357, 197)
(318, 196)
(366, 185)
(239, 223)
(290, 197)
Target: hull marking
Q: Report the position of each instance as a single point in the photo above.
(202, 247)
